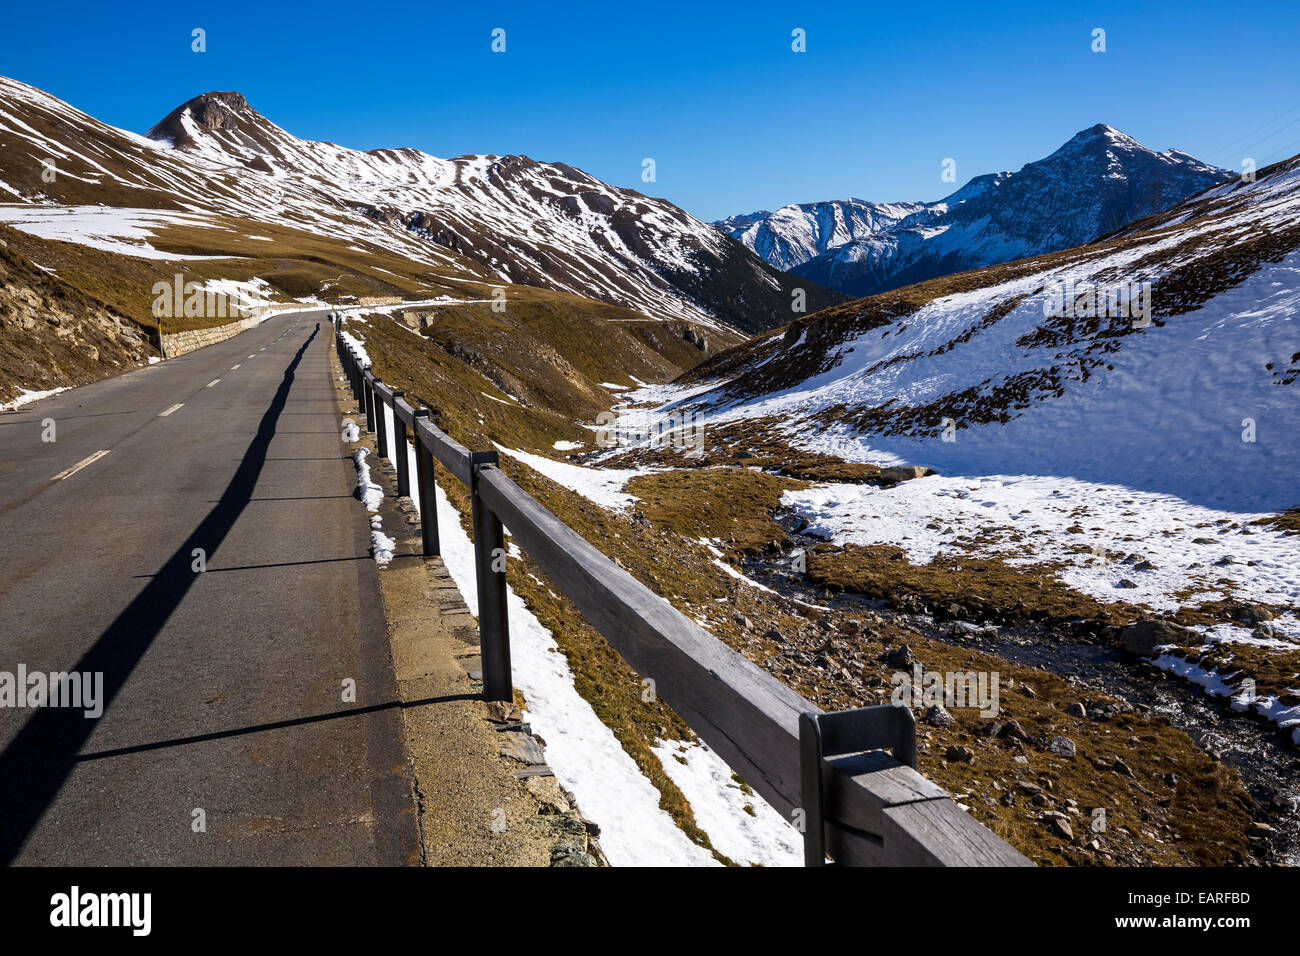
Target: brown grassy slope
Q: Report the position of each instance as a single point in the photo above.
(1165, 801)
(296, 263)
(549, 350)
(87, 313)
(53, 335)
(76, 181)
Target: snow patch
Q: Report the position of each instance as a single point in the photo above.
(604, 486)
(372, 495)
(741, 826)
(27, 396)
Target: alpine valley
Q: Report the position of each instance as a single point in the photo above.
(1043, 430)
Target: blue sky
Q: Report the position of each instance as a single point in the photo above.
(734, 119)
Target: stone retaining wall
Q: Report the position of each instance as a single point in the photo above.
(178, 343)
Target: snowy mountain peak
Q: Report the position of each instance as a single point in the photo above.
(1096, 182)
(1104, 133)
(212, 111)
(499, 219)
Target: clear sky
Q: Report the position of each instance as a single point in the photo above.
(734, 119)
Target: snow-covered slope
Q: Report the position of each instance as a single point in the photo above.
(980, 373)
(1141, 461)
(1097, 182)
(505, 218)
(794, 234)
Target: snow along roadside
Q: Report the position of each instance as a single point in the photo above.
(741, 826)
(372, 495)
(584, 754)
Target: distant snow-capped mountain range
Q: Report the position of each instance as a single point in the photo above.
(1097, 182)
(795, 234)
(502, 218)
(1047, 366)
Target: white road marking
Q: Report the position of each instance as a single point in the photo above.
(233, 367)
(211, 383)
(253, 356)
(89, 460)
(170, 410)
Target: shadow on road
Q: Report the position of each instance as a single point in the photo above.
(279, 564)
(275, 725)
(37, 762)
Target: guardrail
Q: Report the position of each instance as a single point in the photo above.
(828, 772)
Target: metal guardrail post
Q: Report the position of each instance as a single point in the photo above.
(825, 736)
(490, 573)
(425, 479)
(381, 421)
(399, 449)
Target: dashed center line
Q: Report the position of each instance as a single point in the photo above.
(164, 414)
(88, 460)
(233, 367)
(211, 383)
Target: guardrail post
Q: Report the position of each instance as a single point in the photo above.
(399, 449)
(425, 479)
(381, 422)
(345, 359)
(823, 736)
(368, 397)
(490, 573)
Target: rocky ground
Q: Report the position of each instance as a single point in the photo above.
(54, 337)
(1094, 756)
(1107, 675)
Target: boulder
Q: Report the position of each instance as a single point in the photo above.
(1247, 612)
(897, 473)
(1013, 730)
(938, 716)
(1059, 824)
(1146, 635)
(1062, 747)
(900, 657)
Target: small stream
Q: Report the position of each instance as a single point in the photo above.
(1269, 766)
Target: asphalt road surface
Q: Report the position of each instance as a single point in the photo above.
(226, 736)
